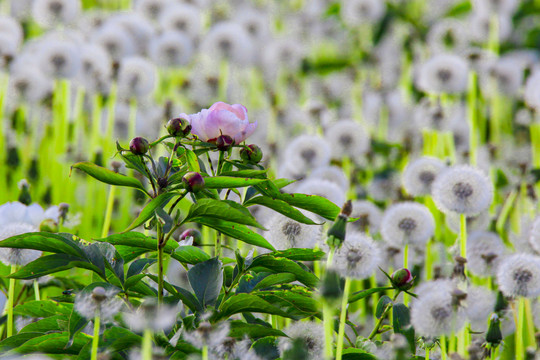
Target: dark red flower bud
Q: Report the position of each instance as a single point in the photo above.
(224, 142)
(194, 181)
(139, 146)
(402, 279)
(179, 127)
(251, 154)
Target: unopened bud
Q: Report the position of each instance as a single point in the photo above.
(224, 142)
(402, 279)
(139, 146)
(178, 127)
(194, 181)
(251, 154)
(193, 233)
(494, 335)
(48, 225)
(331, 286)
(24, 195)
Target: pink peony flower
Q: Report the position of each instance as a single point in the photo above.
(221, 119)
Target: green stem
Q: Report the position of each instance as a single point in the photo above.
(160, 245)
(205, 352)
(427, 354)
(36, 290)
(443, 347)
(10, 299)
(463, 235)
(471, 107)
(328, 318)
(343, 317)
(518, 335)
(95, 339)
(530, 324)
(405, 266)
(147, 345)
(383, 315)
(108, 213)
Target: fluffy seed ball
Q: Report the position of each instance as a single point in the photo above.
(368, 214)
(307, 152)
(407, 223)
(443, 73)
(348, 139)
(519, 275)
(462, 189)
(357, 257)
(312, 335)
(485, 251)
(420, 174)
(285, 233)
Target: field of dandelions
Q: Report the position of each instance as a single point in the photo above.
(263, 179)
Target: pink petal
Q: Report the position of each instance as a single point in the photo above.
(220, 105)
(240, 111)
(222, 122)
(245, 133)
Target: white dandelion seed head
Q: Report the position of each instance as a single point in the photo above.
(326, 189)
(151, 316)
(116, 40)
(503, 7)
(285, 233)
(479, 59)
(474, 222)
(479, 305)
(420, 174)
(358, 256)
(232, 348)
(96, 69)
(229, 40)
(256, 23)
(479, 24)
(355, 12)
(347, 138)
(369, 216)
(211, 335)
(443, 73)
(519, 275)
(448, 34)
(385, 186)
(33, 214)
(283, 54)
(59, 58)
(532, 91)
(13, 28)
(136, 77)
(431, 115)
(307, 152)
(462, 189)
(310, 332)
(171, 49)
(184, 18)
(434, 314)
(140, 29)
(49, 13)
(21, 9)
(28, 84)
(331, 173)
(102, 302)
(534, 235)
(407, 223)
(440, 287)
(503, 76)
(152, 9)
(9, 256)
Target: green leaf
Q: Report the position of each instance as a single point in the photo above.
(266, 348)
(192, 161)
(297, 304)
(188, 299)
(300, 254)
(206, 279)
(252, 174)
(401, 321)
(314, 203)
(53, 263)
(365, 293)
(225, 182)
(17, 340)
(357, 354)
(76, 324)
(108, 176)
(281, 207)
(54, 343)
(237, 231)
(284, 265)
(118, 339)
(190, 255)
(138, 266)
(149, 210)
(221, 209)
(275, 279)
(240, 329)
(43, 308)
(243, 302)
(383, 303)
(44, 242)
(49, 324)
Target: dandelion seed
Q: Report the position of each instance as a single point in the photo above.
(419, 175)
(357, 258)
(331, 173)
(519, 275)
(323, 188)
(98, 302)
(485, 250)
(60, 58)
(171, 49)
(368, 214)
(152, 9)
(474, 222)
(462, 189)
(136, 77)
(183, 18)
(116, 40)
(28, 84)
(444, 73)
(228, 40)
(310, 333)
(447, 35)
(208, 335)
(10, 26)
(285, 233)
(355, 12)
(307, 152)
(348, 139)
(480, 305)
(407, 223)
(505, 7)
(151, 316)
(385, 186)
(48, 13)
(532, 91)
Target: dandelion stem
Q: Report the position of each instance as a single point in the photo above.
(518, 335)
(328, 318)
(463, 235)
(530, 324)
(343, 317)
(108, 213)
(442, 343)
(36, 290)
(471, 107)
(427, 354)
(147, 345)
(10, 299)
(95, 339)
(205, 352)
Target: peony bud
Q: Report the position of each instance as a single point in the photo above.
(194, 181)
(179, 127)
(331, 286)
(402, 279)
(251, 154)
(224, 142)
(139, 146)
(48, 225)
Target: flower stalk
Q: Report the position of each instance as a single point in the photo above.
(343, 317)
(95, 339)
